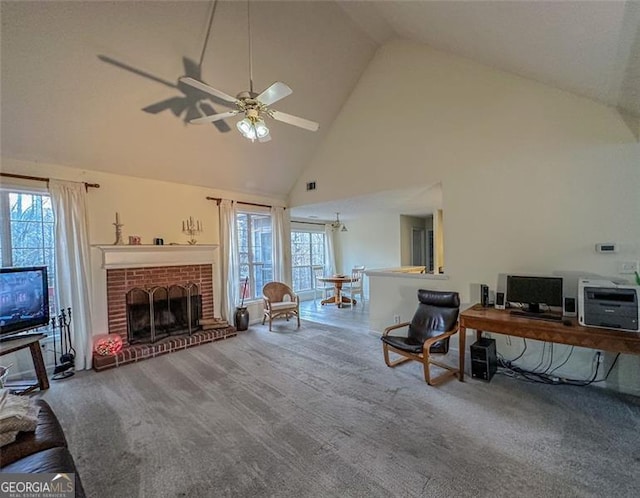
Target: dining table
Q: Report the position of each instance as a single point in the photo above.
(338, 281)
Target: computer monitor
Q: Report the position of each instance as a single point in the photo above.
(531, 292)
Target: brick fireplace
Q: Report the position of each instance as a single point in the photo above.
(150, 267)
(121, 281)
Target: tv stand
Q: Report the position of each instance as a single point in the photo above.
(31, 341)
(17, 337)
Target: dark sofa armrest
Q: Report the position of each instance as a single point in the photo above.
(53, 460)
(48, 434)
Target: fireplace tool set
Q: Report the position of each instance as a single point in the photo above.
(67, 353)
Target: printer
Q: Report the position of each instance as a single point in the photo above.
(604, 303)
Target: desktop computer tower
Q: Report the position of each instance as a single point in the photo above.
(484, 362)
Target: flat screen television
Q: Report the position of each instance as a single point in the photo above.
(24, 299)
(531, 292)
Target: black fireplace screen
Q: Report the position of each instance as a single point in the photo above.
(159, 312)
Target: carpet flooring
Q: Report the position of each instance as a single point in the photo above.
(315, 412)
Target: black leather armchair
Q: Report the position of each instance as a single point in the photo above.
(434, 322)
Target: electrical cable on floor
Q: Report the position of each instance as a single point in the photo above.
(507, 368)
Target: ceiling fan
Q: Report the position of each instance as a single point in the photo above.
(254, 106)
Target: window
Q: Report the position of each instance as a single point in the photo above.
(307, 253)
(254, 246)
(27, 239)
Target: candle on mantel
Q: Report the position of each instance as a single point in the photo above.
(117, 218)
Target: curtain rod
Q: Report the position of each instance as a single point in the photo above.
(219, 200)
(310, 222)
(46, 180)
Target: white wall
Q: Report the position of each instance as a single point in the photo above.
(147, 208)
(533, 177)
(363, 244)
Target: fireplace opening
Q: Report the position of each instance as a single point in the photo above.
(159, 312)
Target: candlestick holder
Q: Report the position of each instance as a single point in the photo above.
(191, 228)
(118, 225)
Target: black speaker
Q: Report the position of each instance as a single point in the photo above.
(484, 295)
(500, 300)
(484, 362)
(569, 308)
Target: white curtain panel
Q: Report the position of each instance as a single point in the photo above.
(229, 260)
(329, 251)
(73, 264)
(281, 244)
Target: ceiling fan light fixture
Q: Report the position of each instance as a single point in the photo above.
(261, 128)
(245, 126)
(253, 128)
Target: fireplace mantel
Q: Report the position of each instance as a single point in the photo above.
(147, 256)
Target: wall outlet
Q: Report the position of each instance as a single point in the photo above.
(625, 267)
(396, 318)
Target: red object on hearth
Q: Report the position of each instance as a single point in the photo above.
(107, 344)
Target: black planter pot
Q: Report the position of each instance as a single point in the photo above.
(241, 319)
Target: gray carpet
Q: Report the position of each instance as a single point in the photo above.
(315, 412)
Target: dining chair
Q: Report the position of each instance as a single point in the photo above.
(324, 288)
(356, 286)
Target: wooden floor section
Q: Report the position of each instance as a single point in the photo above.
(330, 314)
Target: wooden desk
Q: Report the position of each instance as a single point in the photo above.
(337, 297)
(502, 322)
(33, 343)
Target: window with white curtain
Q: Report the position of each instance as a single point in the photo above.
(255, 252)
(307, 253)
(27, 237)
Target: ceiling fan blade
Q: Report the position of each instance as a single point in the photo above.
(214, 117)
(208, 89)
(275, 92)
(294, 120)
(139, 72)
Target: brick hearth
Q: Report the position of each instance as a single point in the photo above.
(140, 352)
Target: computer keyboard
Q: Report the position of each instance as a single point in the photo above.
(538, 316)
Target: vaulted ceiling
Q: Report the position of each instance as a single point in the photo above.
(76, 75)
